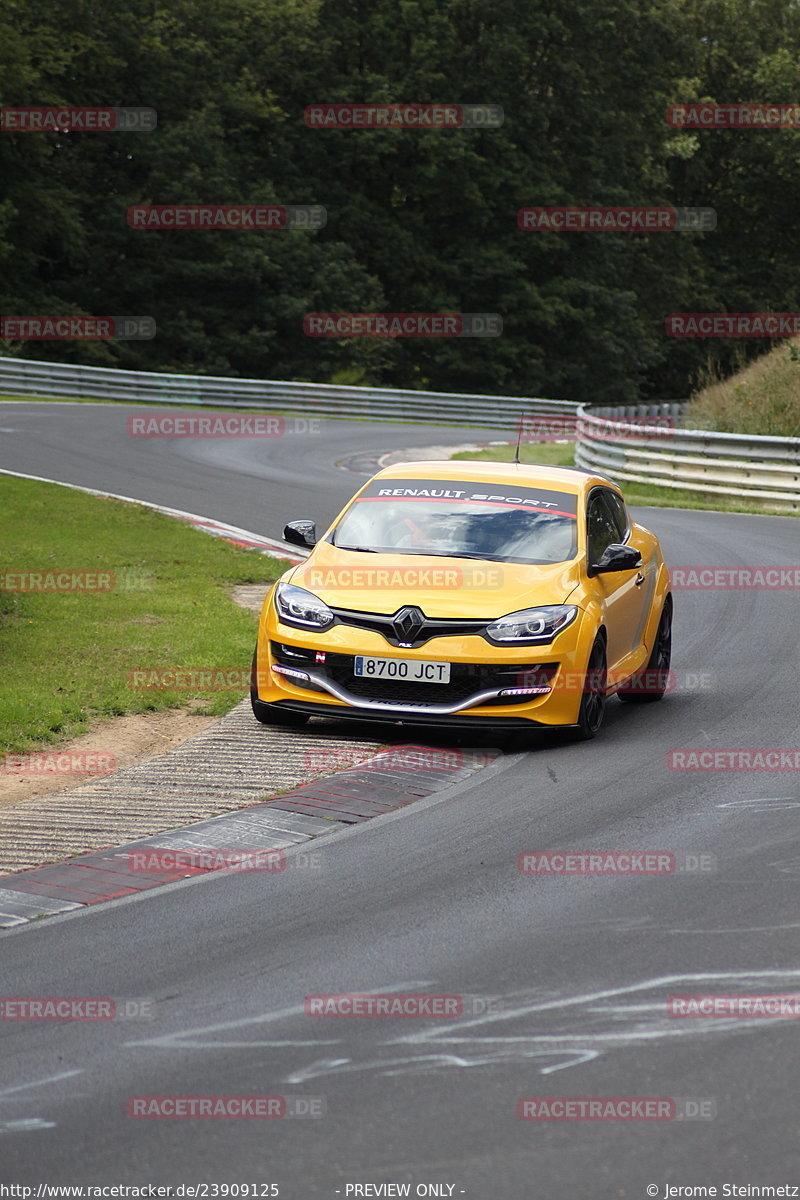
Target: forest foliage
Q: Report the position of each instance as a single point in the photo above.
(418, 220)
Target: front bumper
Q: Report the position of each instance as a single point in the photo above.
(420, 717)
(313, 673)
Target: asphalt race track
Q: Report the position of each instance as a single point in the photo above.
(256, 483)
(565, 979)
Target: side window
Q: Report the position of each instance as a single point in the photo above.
(618, 512)
(601, 529)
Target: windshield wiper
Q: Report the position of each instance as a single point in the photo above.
(477, 557)
(424, 553)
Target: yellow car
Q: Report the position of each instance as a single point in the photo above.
(468, 594)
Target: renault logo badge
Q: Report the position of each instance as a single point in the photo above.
(408, 624)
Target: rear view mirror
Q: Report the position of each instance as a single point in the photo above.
(617, 557)
(300, 533)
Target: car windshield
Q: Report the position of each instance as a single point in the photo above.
(450, 519)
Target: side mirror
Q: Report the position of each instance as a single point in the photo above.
(617, 557)
(300, 533)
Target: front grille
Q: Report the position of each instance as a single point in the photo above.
(465, 679)
(432, 627)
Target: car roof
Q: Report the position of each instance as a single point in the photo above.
(572, 480)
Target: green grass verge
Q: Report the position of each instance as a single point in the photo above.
(65, 658)
(762, 398)
(551, 454)
(562, 454)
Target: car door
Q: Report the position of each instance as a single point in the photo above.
(618, 593)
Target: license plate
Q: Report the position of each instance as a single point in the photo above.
(407, 669)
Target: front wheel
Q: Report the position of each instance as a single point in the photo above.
(651, 684)
(593, 700)
(270, 714)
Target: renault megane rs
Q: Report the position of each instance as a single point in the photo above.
(468, 594)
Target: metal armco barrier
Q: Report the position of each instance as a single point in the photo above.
(617, 442)
(29, 377)
(613, 440)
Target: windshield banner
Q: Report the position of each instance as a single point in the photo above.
(465, 492)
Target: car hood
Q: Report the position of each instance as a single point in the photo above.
(441, 587)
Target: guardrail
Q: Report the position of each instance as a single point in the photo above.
(30, 377)
(617, 442)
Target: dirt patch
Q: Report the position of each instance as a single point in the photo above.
(250, 595)
(123, 740)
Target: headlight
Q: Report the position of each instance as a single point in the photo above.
(298, 607)
(532, 624)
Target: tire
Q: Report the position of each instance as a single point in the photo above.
(271, 714)
(593, 699)
(656, 672)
